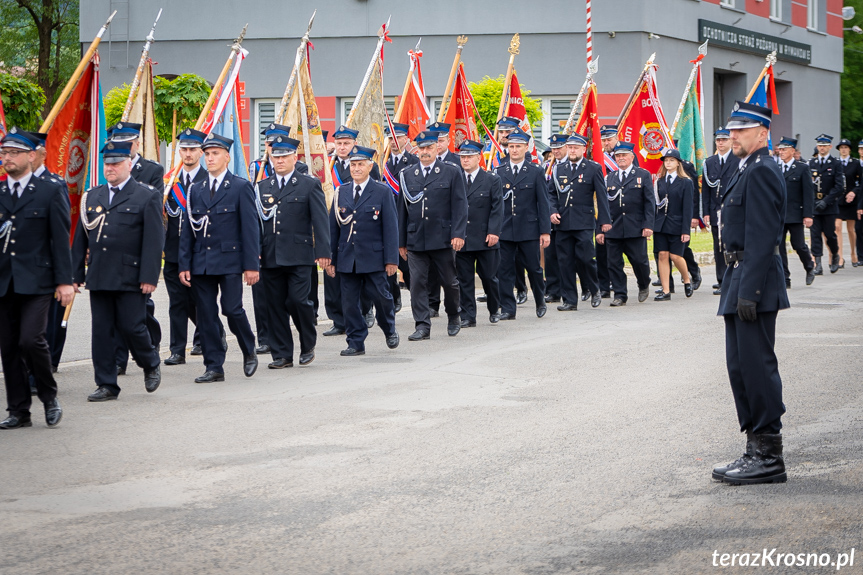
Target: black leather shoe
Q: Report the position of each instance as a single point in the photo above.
(617, 302)
(520, 297)
(719, 472)
(585, 296)
(595, 300)
(452, 329)
(307, 357)
(642, 294)
(660, 290)
(196, 350)
(540, 311)
(551, 299)
(121, 370)
(210, 377)
(810, 277)
(334, 331)
(250, 365)
(370, 319)
(53, 413)
(696, 282)
(688, 289)
(152, 379)
(506, 316)
(434, 313)
(418, 335)
(656, 283)
(262, 349)
(717, 286)
(717, 292)
(494, 317)
(351, 351)
(663, 297)
(175, 359)
(397, 307)
(224, 342)
(102, 394)
(834, 263)
(280, 363)
(14, 422)
(766, 464)
(393, 340)
(818, 269)
(567, 307)
(482, 298)
(468, 323)
(605, 294)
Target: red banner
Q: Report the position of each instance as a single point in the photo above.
(588, 126)
(460, 115)
(515, 108)
(644, 126)
(414, 113)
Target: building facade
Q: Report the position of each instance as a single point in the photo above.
(193, 37)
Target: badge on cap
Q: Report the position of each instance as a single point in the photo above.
(211, 136)
(355, 150)
(119, 126)
(279, 139)
(110, 146)
(736, 107)
(14, 130)
(271, 127)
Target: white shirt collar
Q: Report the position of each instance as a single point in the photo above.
(25, 179)
(136, 158)
(120, 187)
(789, 163)
(361, 185)
(844, 160)
(514, 166)
(282, 180)
(40, 170)
(575, 165)
(219, 179)
(823, 158)
(672, 175)
(743, 162)
(724, 157)
(193, 173)
(472, 174)
(625, 173)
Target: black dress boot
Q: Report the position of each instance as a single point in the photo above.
(719, 472)
(765, 466)
(818, 271)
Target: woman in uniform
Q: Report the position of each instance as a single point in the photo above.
(673, 217)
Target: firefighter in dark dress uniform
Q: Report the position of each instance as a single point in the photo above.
(800, 202)
(717, 172)
(828, 176)
(557, 144)
(399, 160)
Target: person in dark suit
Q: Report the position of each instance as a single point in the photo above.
(673, 220)
(557, 144)
(432, 223)
(575, 187)
(799, 205)
(526, 225)
(717, 172)
(219, 248)
(828, 176)
(151, 174)
(632, 206)
(181, 307)
(364, 232)
(295, 236)
(345, 139)
(853, 172)
(443, 152)
(35, 265)
(399, 160)
(481, 252)
(120, 239)
(506, 126)
(752, 211)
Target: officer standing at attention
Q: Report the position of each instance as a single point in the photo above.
(575, 187)
(151, 174)
(296, 235)
(219, 247)
(829, 179)
(399, 159)
(717, 172)
(35, 266)
(526, 224)
(506, 126)
(608, 134)
(800, 196)
(557, 144)
(345, 140)
(364, 230)
(481, 252)
(632, 206)
(181, 303)
(752, 213)
(432, 223)
(120, 238)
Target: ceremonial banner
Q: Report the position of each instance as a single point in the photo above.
(588, 126)
(224, 119)
(77, 136)
(369, 114)
(143, 112)
(515, 108)
(415, 113)
(643, 124)
(2, 134)
(764, 95)
(460, 115)
(689, 131)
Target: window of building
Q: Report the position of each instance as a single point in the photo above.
(729, 3)
(812, 14)
(776, 9)
(265, 113)
(348, 103)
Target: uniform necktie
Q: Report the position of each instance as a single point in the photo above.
(357, 191)
(668, 179)
(188, 182)
(721, 162)
(344, 164)
(515, 171)
(468, 180)
(114, 192)
(786, 169)
(427, 169)
(16, 189)
(281, 184)
(213, 185)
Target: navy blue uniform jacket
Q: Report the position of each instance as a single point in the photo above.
(484, 212)
(675, 217)
(526, 212)
(576, 206)
(711, 196)
(800, 194)
(634, 209)
(371, 241)
(830, 179)
(432, 223)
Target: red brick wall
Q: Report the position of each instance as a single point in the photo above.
(758, 7)
(327, 112)
(834, 17)
(798, 13)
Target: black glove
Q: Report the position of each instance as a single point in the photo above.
(820, 205)
(746, 309)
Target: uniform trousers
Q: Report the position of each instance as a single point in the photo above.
(435, 286)
(313, 289)
(552, 268)
(127, 312)
(798, 243)
(602, 276)
(520, 284)
(206, 289)
(754, 372)
(153, 328)
(507, 272)
(718, 256)
(576, 254)
(858, 229)
(55, 332)
(181, 309)
(262, 317)
(333, 301)
(823, 224)
(373, 287)
(420, 262)
(485, 264)
(287, 292)
(635, 250)
(23, 346)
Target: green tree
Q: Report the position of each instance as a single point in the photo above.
(487, 92)
(39, 40)
(22, 102)
(852, 79)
